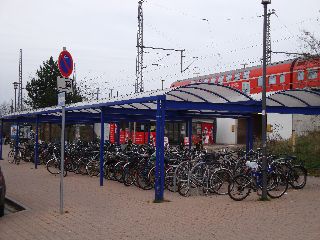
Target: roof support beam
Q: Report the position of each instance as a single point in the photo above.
(212, 106)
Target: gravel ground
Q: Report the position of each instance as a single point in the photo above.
(118, 212)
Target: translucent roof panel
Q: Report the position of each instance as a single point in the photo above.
(207, 92)
(295, 98)
(196, 94)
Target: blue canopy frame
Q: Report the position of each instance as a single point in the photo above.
(201, 100)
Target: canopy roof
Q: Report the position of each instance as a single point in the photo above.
(200, 100)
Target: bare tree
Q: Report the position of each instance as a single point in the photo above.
(310, 44)
(5, 108)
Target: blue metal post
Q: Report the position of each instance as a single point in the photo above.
(118, 132)
(17, 141)
(93, 132)
(149, 132)
(190, 133)
(1, 137)
(36, 155)
(101, 146)
(251, 133)
(159, 171)
(249, 138)
(163, 125)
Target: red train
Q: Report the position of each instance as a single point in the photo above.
(290, 74)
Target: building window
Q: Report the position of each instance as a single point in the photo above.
(246, 75)
(220, 79)
(312, 74)
(237, 76)
(229, 77)
(272, 79)
(260, 81)
(300, 75)
(282, 78)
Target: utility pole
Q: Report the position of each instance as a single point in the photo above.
(74, 73)
(268, 37)
(139, 86)
(162, 80)
(244, 65)
(11, 105)
(98, 91)
(15, 86)
(20, 99)
(264, 105)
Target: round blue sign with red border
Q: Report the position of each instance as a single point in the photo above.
(65, 63)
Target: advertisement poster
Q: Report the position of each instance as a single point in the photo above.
(140, 138)
(112, 132)
(124, 136)
(24, 132)
(207, 134)
(13, 131)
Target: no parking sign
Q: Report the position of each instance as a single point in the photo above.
(65, 63)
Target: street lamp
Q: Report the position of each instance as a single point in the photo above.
(263, 110)
(15, 85)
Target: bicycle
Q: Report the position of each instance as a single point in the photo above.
(241, 185)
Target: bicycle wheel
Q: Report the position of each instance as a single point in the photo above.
(143, 180)
(81, 168)
(152, 176)
(239, 187)
(298, 177)
(118, 171)
(11, 156)
(169, 178)
(219, 181)
(184, 189)
(128, 176)
(53, 166)
(277, 184)
(107, 171)
(93, 168)
(182, 172)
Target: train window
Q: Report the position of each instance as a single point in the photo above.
(229, 77)
(312, 74)
(237, 76)
(220, 79)
(246, 75)
(246, 87)
(272, 79)
(282, 78)
(300, 75)
(260, 81)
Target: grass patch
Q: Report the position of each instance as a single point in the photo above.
(264, 199)
(307, 150)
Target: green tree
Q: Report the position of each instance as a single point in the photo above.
(42, 89)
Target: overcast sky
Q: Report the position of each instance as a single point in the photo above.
(101, 36)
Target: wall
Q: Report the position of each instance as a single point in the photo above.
(97, 130)
(281, 125)
(224, 133)
(302, 124)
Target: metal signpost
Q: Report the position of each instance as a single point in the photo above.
(61, 102)
(64, 85)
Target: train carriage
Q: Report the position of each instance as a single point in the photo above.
(290, 74)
